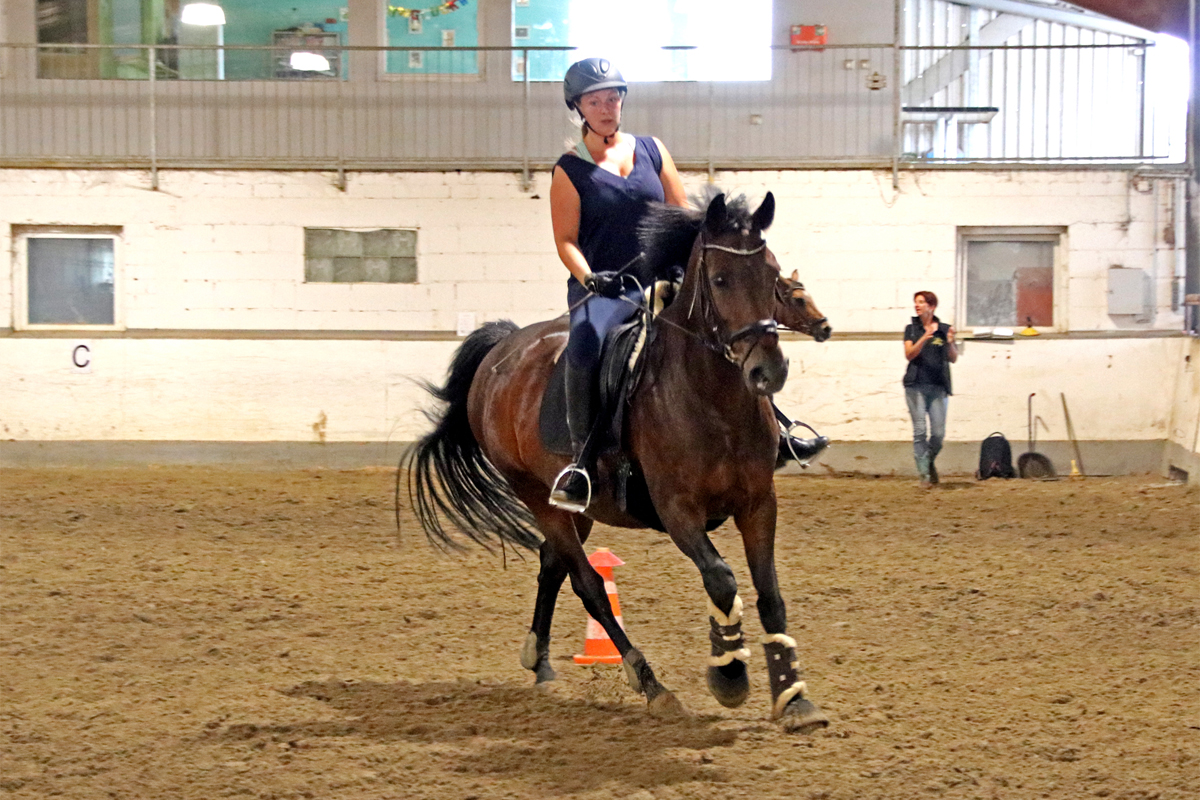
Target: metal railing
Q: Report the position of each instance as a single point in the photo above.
(874, 105)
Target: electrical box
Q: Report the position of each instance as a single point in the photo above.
(1129, 292)
(809, 36)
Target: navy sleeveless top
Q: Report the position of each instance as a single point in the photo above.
(610, 207)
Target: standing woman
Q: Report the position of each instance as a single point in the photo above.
(598, 194)
(930, 349)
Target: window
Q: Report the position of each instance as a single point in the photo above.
(732, 42)
(333, 255)
(67, 279)
(314, 30)
(1008, 277)
(441, 24)
(62, 21)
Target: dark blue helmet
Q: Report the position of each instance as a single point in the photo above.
(591, 75)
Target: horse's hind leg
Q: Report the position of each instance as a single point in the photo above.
(789, 704)
(565, 534)
(589, 585)
(535, 654)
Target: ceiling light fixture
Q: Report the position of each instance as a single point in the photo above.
(309, 62)
(202, 14)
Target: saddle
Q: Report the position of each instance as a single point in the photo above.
(620, 368)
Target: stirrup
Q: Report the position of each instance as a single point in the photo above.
(558, 497)
(823, 441)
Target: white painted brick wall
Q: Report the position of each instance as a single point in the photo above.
(225, 252)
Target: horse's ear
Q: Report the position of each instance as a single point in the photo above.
(795, 276)
(715, 218)
(766, 213)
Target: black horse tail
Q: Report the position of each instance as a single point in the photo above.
(449, 477)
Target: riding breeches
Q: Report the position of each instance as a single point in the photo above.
(592, 319)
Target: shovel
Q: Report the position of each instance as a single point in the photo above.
(1031, 464)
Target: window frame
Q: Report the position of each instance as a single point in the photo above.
(1055, 234)
(21, 236)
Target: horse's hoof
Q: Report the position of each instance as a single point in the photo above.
(666, 705)
(801, 716)
(536, 658)
(730, 684)
(544, 672)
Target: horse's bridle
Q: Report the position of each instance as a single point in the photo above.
(788, 294)
(718, 343)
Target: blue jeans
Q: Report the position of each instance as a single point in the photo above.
(925, 399)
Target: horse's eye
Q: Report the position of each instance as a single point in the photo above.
(719, 280)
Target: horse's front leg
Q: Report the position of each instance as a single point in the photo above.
(726, 674)
(789, 704)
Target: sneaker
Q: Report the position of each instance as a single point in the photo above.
(571, 490)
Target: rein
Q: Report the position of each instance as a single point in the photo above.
(718, 344)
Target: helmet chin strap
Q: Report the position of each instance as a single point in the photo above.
(607, 139)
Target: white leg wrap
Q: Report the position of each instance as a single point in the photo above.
(529, 653)
(742, 655)
(779, 638)
(735, 613)
(734, 617)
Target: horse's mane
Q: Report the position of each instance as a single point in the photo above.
(667, 233)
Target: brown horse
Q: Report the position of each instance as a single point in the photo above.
(795, 309)
(700, 431)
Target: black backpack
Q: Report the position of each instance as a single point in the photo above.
(995, 458)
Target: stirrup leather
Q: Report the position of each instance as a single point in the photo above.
(558, 497)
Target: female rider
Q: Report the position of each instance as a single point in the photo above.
(599, 192)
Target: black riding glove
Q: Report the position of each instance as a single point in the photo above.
(605, 284)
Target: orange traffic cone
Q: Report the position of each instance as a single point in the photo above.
(597, 647)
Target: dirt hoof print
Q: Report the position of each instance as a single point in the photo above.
(667, 706)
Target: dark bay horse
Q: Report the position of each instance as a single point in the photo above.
(699, 428)
(795, 309)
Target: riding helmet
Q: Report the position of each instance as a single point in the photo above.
(591, 75)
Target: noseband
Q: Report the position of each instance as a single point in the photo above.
(724, 344)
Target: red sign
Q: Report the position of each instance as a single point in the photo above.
(809, 35)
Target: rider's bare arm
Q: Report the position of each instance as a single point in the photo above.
(564, 217)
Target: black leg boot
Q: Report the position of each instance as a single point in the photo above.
(792, 448)
(572, 489)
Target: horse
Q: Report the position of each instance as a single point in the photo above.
(795, 309)
(699, 430)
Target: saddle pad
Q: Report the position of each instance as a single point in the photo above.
(622, 347)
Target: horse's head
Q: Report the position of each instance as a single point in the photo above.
(729, 291)
(794, 307)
